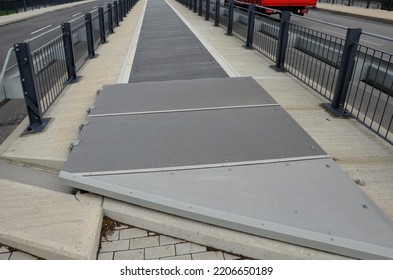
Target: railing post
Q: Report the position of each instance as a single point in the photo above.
(120, 10)
(89, 35)
(195, 6)
(282, 40)
(26, 71)
(217, 16)
(190, 4)
(230, 17)
(207, 15)
(110, 17)
(187, 3)
(250, 26)
(101, 22)
(345, 71)
(116, 13)
(124, 9)
(68, 51)
(200, 8)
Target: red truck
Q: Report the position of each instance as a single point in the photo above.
(299, 7)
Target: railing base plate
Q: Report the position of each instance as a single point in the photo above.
(37, 128)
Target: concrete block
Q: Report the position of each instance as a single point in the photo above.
(181, 257)
(130, 255)
(105, 256)
(188, 248)
(208, 256)
(167, 240)
(18, 255)
(111, 236)
(159, 252)
(117, 245)
(144, 242)
(132, 233)
(49, 224)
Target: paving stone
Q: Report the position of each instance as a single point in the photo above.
(4, 256)
(18, 255)
(122, 227)
(4, 249)
(181, 257)
(188, 248)
(111, 236)
(144, 242)
(132, 233)
(130, 255)
(228, 256)
(159, 252)
(210, 255)
(105, 256)
(167, 240)
(118, 245)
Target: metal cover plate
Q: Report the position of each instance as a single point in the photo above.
(168, 50)
(311, 203)
(179, 95)
(159, 140)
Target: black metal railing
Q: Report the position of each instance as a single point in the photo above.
(357, 80)
(47, 70)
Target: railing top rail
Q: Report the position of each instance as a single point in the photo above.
(5, 65)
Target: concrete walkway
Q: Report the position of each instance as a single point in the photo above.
(363, 155)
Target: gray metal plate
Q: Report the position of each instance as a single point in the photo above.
(311, 203)
(168, 50)
(178, 95)
(160, 140)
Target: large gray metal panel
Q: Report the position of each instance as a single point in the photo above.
(168, 50)
(311, 203)
(160, 140)
(180, 95)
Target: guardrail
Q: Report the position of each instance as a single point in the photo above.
(358, 80)
(47, 70)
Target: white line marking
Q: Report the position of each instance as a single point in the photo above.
(95, 7)
(77, 14)
(371, 42)
(41, 29)
(184, 110)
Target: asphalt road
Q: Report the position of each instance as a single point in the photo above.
(30, 28)
(367, 25)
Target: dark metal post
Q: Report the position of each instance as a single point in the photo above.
(190, 4)
(26, 70)
(195, 6)
(282, 40)
(68, 51)
(250, 26)
(200, 8)
(116, 13)
(102, 24)
(120, 10)
(124, 9)
(186, 3)
(217, 16)
(345, 71)
(230, 17)
(89, 35)
(110, 17)
(207, 15)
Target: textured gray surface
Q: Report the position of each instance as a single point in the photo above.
(168, 50)
(189, 138)
(311, 203)
(177, 95)
(29, 175)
